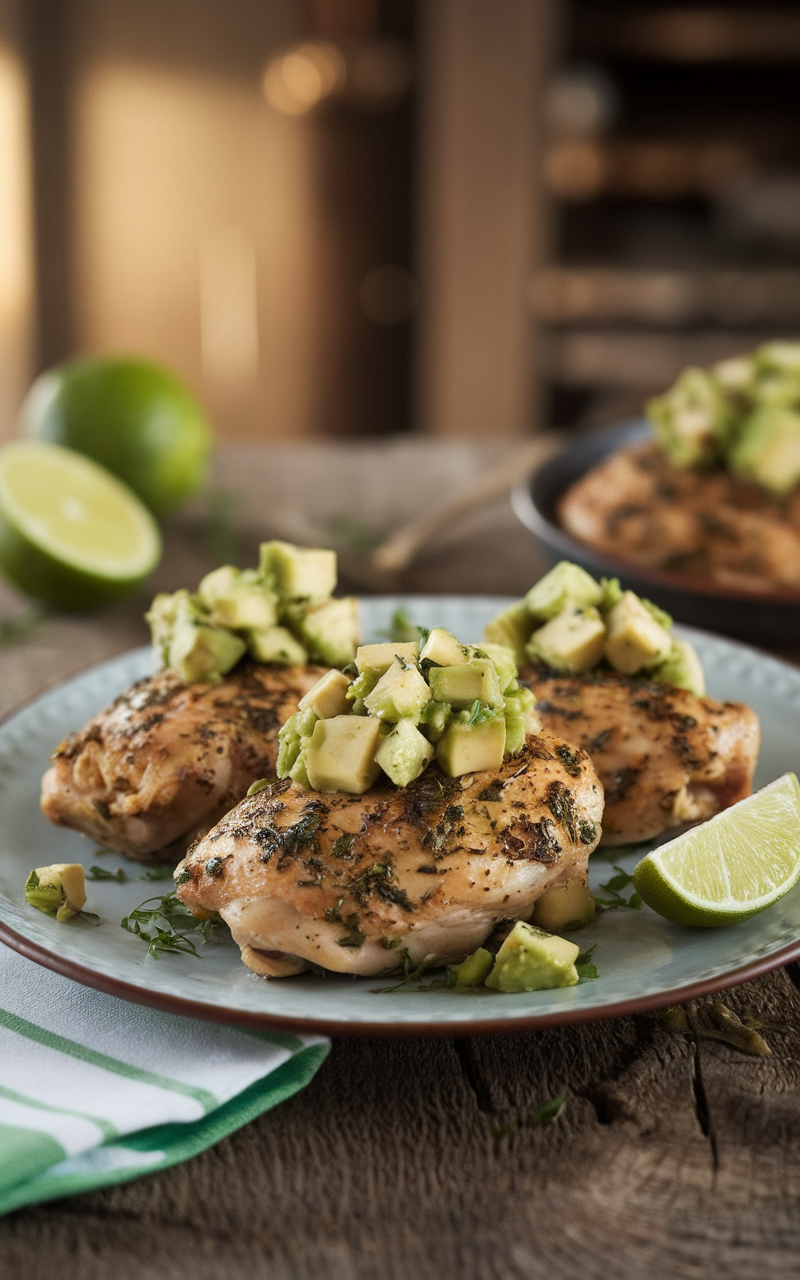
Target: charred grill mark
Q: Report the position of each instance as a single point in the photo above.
(552, 708)
(531, 841)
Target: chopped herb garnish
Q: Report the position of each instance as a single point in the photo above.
(164, 873)
(586, 968)
(402, 630)
(570, 759)
(354, 937)
(342, 847)
(100, 873)
(164, 927)
(614, 898)
(257, 786)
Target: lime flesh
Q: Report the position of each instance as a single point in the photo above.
(733, 866)
(71, 534)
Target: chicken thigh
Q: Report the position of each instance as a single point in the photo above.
(355, 883)
(167, 759)
(665, 757)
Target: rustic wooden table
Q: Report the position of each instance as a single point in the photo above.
(673, 1155)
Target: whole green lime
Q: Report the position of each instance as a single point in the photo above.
(132, 416)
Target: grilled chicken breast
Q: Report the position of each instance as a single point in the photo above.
(353, 883)
(166, 759)
(665, 757)
(636, 505)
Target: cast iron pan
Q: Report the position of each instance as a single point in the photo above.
(771, 619)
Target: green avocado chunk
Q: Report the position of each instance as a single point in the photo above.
(566, 586)
(401, 691)
(469, 682)
(469, 748)
(197, 650)
(330, 631)
(694, 420)
(570, 642)
(298, 573)
(58, 890)
(474, 971)
(511, 628)
(683, 668)
(532, 960)
(404, 753)
(341, 754)
(276, 644)
(768, 449)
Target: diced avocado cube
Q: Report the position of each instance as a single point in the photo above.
(768, 450)
(305, 721)
(434, 718)
(565, 906)
(59, 890)
(444, 649)
(404, 753)
(474, 971)
(215, 584)
(276, 644)
(245, 606)
(519, 704)
(331, 631)
(532, 960)
(782, 357)
(379, 657)
(504, 661)
(512, 628)
(298, 573)
(341, 754)
(328, 697)
(298, 772)
(469, 748)
(634, 640)
(201, 652)
(288, 746)
(361, 687)
(737, 374)
(572, 641)
(683, 668)
(661, 616)
(163, 616)
(401, 691)
(694, 420)
(565, 586)
(473, 681)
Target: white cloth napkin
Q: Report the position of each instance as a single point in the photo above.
(94, 1090)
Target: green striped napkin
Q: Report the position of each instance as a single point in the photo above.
(94, 1090)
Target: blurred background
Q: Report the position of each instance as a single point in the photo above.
(344, 218)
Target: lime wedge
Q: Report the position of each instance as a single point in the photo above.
(732, 866)
(71, 534)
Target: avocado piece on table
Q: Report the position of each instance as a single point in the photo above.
(461, 686)
(341, 754)
(404, 753)
(571, 642)
(401, 691)
(635, 641)
(531, 959)
(468, 748)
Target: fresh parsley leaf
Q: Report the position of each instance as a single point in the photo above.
(165, 926)
(100, 873)
(585, 966)
(613, 891)
(159, 873)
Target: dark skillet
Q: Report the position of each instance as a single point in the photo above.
(771, 619)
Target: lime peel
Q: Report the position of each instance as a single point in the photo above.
(71, 533)
(731, 867)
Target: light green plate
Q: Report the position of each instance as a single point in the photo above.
(643, 961)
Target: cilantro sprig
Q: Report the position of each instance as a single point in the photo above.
(614, 898)
(165, 927)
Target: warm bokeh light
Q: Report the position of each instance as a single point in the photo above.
(298, 81)
(15, 247)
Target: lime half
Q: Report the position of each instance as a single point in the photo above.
(71, 534)
(732, 866)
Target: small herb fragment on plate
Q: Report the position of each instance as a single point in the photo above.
(614, 898)
(587, 970)
(165, 927)
(100, 873)
(158, 873)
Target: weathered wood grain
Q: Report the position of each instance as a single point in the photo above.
(421, 1159)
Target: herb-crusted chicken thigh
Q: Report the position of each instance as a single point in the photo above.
(354, 883)
(665, 757)
(168, 758)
